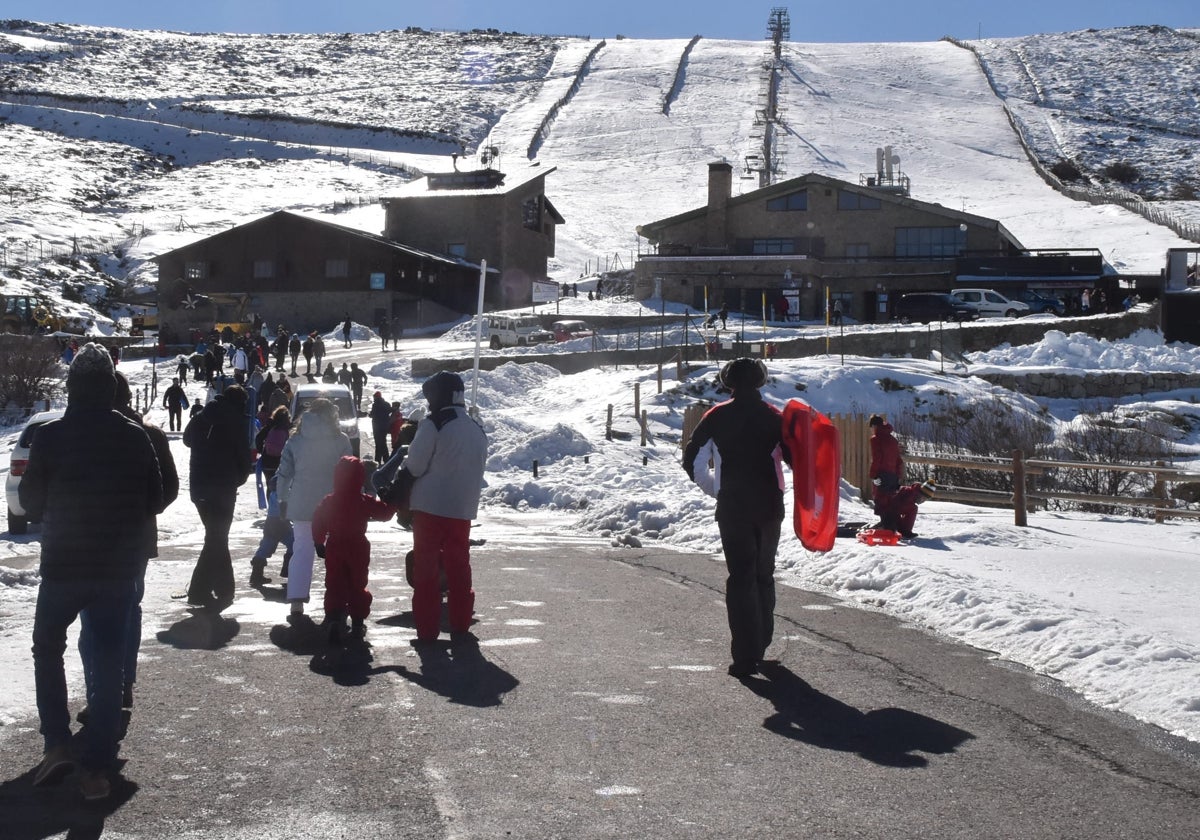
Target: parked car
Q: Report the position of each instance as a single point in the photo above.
(18, 523)
(1039, 303)
(339, 395)
(932, 306)
(991, 303)
(566, 330)
(516, 331)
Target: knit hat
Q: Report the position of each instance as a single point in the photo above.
(90, 378)
(928, 490)
(744, 373)
(443, 389)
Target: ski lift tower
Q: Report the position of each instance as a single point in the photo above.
(779, 29)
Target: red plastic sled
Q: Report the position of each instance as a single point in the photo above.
(878, 536)
(812, 440)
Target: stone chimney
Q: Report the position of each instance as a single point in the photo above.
(720, 188)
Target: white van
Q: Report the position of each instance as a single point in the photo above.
(991, 304)
(516, 331)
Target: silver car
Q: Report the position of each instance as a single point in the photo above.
(18, 523)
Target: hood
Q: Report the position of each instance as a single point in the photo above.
(349, 475)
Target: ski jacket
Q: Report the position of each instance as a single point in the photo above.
(447, 457)
(744, 438)
(94, 481)
(340, 520)
(220, 460)
(305, 474)
(886, 462)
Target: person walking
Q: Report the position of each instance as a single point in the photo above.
(358, 381)
(381, 424)
(294, 347)
(276, 530)
(446, 460)
(306, 347)
(318, 349)
(344, 376)
(397, 333)
(123, 403)
(219, 464)
(743, 436)
(347, 324)
(305, 477)
(181, 368)
(96, 504)
(279, 349)
(175, 400)
(384, 332)
(339, 533)
(271, 439)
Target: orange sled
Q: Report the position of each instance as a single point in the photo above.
(878, 536)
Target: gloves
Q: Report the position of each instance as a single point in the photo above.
(321, 550)
(283, 510)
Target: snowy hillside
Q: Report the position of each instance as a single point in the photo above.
(124, 144)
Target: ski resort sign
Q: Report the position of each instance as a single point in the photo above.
(545, 291)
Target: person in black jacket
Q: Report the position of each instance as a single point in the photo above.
(743, 437)
(94, 481)
(123, 402)
(219, 464)
(175, 400)
(381, 424)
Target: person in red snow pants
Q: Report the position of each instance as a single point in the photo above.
(339, 530)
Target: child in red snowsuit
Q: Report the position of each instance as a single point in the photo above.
(339, 530)
(898, 511)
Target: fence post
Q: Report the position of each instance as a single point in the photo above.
(660, 377)
(1021, 519)
(1160, 492)
(637, 400)
(608, 424)
(644, 423)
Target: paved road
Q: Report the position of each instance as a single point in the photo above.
(596, 705)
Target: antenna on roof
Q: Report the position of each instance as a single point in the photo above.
(489, 155)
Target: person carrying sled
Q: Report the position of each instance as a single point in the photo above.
(339, 533)
(744, 439)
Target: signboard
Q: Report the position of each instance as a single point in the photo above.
(544, 291)
(378, 280)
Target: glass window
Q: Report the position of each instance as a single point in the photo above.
(457, 249)
(264, 269)
(858, 251)
(195, 270)
(337, 268)
(531, 213)
(857, 201)
(930, 243)
(773, 246)
(791, 201)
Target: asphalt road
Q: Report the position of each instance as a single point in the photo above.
(596, 705)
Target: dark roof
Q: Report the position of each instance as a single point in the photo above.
(784, 187)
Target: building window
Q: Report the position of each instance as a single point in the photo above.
(791, 201)
(195, 270)
(857, 201)
(773, 246)
(337, 268)
(531, 213)
(935, 243)
(457, 249)
(264, 269)
(858, 251)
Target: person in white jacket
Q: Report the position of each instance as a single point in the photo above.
(304, 478)
(447, 459)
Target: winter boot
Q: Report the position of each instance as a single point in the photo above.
(257, 578)
(358, 628)
(335, 624)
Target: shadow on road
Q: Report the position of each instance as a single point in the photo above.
(202, 631)
(461, 673)
(890, 736)
(35, 813)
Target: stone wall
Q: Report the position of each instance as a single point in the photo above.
(1115, 385)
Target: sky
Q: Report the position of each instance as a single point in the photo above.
(877, 20)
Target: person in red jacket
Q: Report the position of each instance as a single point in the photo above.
(339, 531)
(887, 466)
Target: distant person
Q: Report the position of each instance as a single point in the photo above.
(837, 312)
(385, 333)
(294, 348)
(898, 511)
(743, 437)
(339, 534)
(96, 504)
(329, 375)
(344, 376)
(358, 382)
(381, 423)
(175, 400)
(306, 348)
(318, 349)
(723, 314)
(347, 324)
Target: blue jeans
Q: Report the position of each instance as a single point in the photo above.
(106, 605)
(133, 638)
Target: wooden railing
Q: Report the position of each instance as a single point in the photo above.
(1021, 495)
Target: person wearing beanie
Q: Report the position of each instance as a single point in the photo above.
(219, 464)
(898, 511)
(743, 438)
(446, 459)
(123, 402)
(94, 481)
